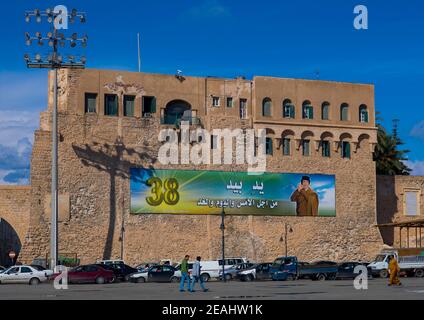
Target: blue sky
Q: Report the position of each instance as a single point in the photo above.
(226, 38)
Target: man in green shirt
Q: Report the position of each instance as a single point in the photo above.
(184, 274)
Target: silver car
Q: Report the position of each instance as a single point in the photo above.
(23, 274)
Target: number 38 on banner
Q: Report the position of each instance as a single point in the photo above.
(163, 192)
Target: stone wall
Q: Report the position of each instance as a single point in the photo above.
(96, 153)
(390, 205)
(14, 219)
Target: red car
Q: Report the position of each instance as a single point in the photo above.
(89, 274)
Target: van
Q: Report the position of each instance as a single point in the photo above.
(212, 269)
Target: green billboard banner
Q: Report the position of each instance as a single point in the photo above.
(207, 192)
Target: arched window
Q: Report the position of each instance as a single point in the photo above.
(363, 114)
(288, 109)
(346, 149)
(344, 112)
(307, 110)
(325, 111)
(268, 149)
(176, 111)
(266, 107)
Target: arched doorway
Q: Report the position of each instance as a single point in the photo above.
(9, 241)
(176, 111)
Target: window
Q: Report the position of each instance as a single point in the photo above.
(286, 147)
(90, 102)
(345, 150)
(111, 105)
(268, 146)
(325, 145)
(412, 203)
(243, 108)
(25, 270)
(229, 102)
(148, 106)
(129, 102)
(288, 109)
(266, 107)
(344, 112)
(363, 114)
(306, 147)
(216, 102)
(308, 110)
(325, 111)
(214, 142)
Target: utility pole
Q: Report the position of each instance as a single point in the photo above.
(58, 18)
(223, 243)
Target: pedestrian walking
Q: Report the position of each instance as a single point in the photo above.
(196, 275)
(394, 270)
(184, 274)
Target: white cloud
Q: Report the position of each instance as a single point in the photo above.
(417, 167)
(327, 197)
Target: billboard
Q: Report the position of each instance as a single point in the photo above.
(207, 192)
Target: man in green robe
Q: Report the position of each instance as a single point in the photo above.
(306, 199)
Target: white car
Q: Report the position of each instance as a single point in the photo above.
(23, 274)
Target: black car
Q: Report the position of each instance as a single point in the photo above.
(346, 271)
(121, 271)
(260, 271)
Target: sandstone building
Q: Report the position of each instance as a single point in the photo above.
(109, 122)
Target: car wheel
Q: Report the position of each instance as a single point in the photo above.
(384, 273)
(250, 277)
(419, 273)
(34, 281)
(100, 280)
(113, 280)
(205, 277)
(321, 277)
(127, 278)
(174, 279)
(141, 280)
(228, 277)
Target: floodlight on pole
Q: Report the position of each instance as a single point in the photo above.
(54, 61)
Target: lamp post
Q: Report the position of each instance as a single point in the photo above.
(58, 18)
(222, 227)
(287, 229)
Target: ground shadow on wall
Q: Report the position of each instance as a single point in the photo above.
(112, 159)
(387, 202)
(9, 241)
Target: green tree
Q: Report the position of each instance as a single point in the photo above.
(388, 155)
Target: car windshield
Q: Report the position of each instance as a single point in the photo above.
(277, 263)
(380, 258)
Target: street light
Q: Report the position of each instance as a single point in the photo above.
(287, 229)
(222, 227)
(53, 61)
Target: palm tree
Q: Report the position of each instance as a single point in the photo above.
(389, 158)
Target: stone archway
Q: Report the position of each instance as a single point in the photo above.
(9, 241)
(176, 111)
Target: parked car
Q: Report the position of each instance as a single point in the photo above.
(23, 274)
(232, 272)
(260, 271)
(212, 269)
(41, 268)
(145, 266)
(109, 262)
(346, 270)
(89, 274)
(289, 268)
(178, 269)
(2, 269)
(121, 271)
(157, 273)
